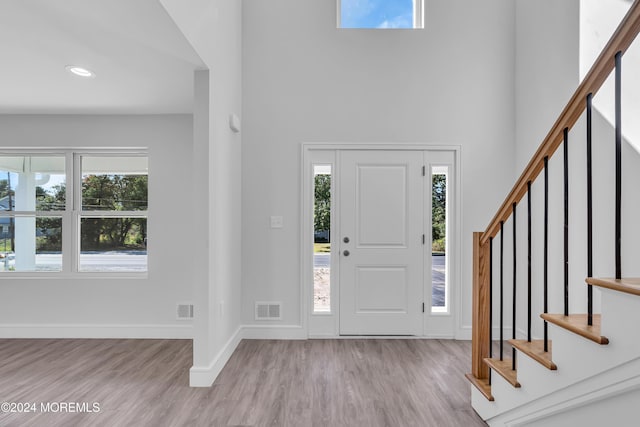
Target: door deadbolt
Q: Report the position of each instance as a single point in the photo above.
(346, 240)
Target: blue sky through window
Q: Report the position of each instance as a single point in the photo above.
(376, 13)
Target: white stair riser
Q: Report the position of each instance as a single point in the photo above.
(539, 379)
(578, 357)
(621, 319)
(481, 405)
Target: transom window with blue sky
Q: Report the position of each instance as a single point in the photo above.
(383, 14)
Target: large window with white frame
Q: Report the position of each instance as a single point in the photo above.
(73, 212)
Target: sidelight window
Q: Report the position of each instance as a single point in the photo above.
(439, 236)
(322, 239)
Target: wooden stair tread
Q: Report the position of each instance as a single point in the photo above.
(503, 367)
(577, 323)
(535, 350)
(481, 384)
(626, 285)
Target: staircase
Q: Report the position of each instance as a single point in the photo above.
(579, 374)
(584, 367)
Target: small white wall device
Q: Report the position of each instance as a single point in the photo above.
(234, 123)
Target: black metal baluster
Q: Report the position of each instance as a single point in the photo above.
(618, 165)
(513, 321)
(566, 221)
(589, 212)
(490, 302)
(529, 261)
(546, 250)
(501, 289)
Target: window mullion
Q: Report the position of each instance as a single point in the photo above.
(76, 208)
(77, 182)
(67, 243)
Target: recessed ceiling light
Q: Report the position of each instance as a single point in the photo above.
(80, 71)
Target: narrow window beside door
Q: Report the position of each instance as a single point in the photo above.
(322, 239)
(439, 228)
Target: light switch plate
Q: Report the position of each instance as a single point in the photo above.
(277, 222)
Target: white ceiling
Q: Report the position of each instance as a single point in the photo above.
(143, 63)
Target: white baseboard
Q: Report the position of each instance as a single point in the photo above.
(274, 332)
(464, 333)
(379, 337)
(438, 337)
(204, 376)
(97, 331)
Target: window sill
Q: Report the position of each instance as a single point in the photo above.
(73, 276)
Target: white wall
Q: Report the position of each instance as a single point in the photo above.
(547, 73)
(598, 20)
(213, 27)
(113, 307)
(305, 81)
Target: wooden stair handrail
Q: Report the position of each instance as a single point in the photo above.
(620, 41)
(592, 82)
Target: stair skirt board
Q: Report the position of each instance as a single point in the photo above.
(592, 401)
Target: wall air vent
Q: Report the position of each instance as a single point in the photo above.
(184, 311)
(268, 310)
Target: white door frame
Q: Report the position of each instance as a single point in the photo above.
(326, 325)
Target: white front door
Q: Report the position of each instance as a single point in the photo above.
(381, 245)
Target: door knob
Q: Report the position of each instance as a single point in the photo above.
(345, 253)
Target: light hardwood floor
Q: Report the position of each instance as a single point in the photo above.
(276, 383)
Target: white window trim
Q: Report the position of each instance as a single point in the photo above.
(418, 14)
(73, 213)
